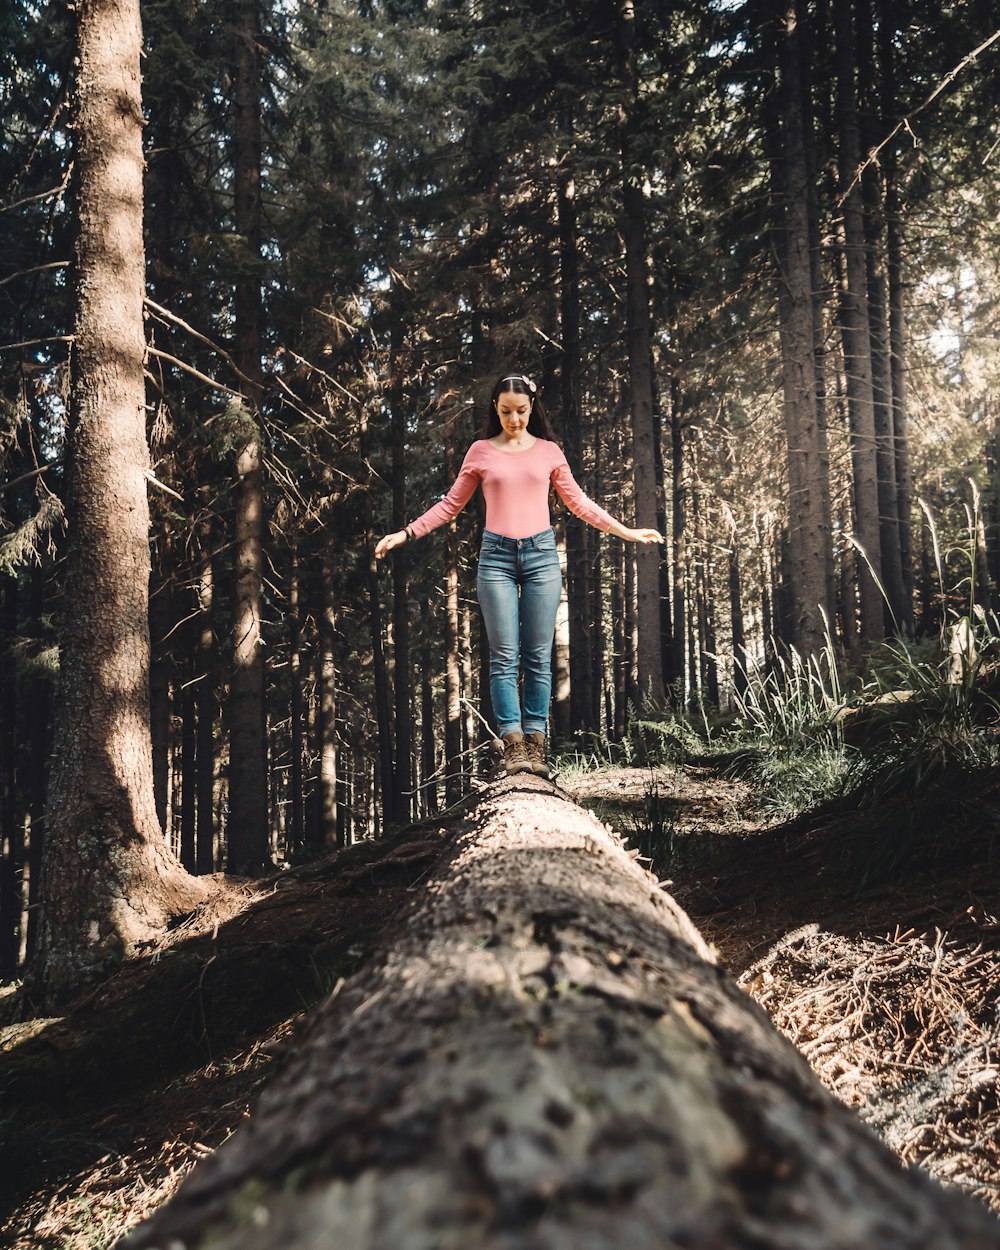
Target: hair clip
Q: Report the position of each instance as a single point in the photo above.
(520, 377)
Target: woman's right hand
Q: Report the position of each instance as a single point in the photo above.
(386, 544)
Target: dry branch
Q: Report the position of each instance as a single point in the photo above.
(544, 1055)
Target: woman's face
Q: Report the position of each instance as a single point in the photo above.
(514, 411)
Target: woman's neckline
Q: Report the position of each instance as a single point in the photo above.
(515, 451)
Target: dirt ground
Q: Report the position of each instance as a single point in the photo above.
(106, 1108)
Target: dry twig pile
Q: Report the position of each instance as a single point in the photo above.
(907, 1030)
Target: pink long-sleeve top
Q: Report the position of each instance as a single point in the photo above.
(516, 488)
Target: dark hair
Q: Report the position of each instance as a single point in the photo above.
(520, 384)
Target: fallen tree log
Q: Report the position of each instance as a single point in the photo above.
(544, 1054)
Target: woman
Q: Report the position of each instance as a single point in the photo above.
(519, 582)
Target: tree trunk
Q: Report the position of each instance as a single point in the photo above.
(705, 595)
(428, 758)
(681, 471)
(639, 335)
(562, 721)
(207, 703)
(453, 784)
(330, 820)
(815, 99)
(296, 835)
(108, 879)
(11, 836)
(581, 693)
(402, 679)
(160, 625)
(736, 615)
(855, 332)
(898, 346)
(39, 715)
(618, 556)
(872, 187)
(383, 715)
(808, 493)
(544, 1055)
(248, 830)
(188, 800)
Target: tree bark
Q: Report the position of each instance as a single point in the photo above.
(11, 832)
(855, 332)
(402, 675)
(581, 693)
(898, 346)
(188, 772)
(207, 702)
(296, 835)
(543, 1055)
(330, 824)
(383, 714)
(639, 334)
(736, 614)
(454, 779)
(872, 187)
(248, 830)
(160, 714)
(681, 471)
(808, 493)
(108, 880)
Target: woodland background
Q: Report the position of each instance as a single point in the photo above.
(749, 253)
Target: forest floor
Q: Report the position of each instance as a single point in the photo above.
(890, 990)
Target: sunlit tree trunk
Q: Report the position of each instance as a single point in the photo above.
(736, 613)
(639, 337)
(108, 879)
(428, 753)
(816, 113)
(562, 722)
(705, 593)
(680, 495)
(871, 127)
(330, 825)
(855, 332)
(898, 346)
(808, 492)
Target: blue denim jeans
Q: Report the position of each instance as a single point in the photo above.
(519, 584)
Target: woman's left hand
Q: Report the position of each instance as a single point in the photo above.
(645, 536)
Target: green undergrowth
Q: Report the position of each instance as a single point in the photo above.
(905, 745)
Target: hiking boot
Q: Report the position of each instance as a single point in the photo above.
(534, 745)
(515, 754)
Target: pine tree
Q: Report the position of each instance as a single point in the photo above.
(108, 879)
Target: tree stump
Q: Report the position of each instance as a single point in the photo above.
(545, 1055)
